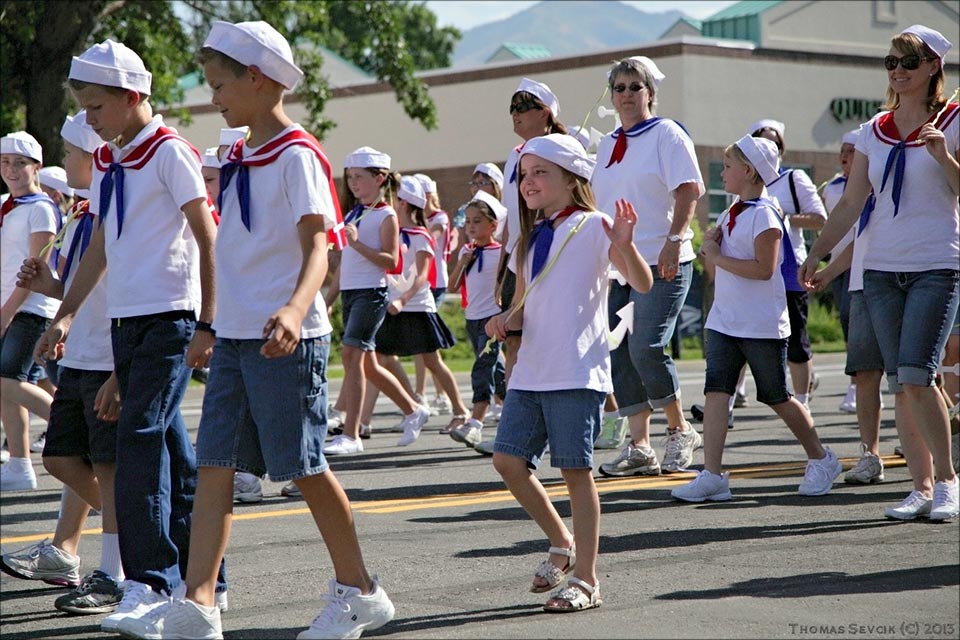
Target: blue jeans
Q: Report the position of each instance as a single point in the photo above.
(17, 344)
(266, 414)
(156, 473)
(488, 375)
(644, 375)
(911, 314)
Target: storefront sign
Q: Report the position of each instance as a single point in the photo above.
(859, 109)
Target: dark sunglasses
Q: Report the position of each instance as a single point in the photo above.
(523, 107)
(908, 62)
(635, 87)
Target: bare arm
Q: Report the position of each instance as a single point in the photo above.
(459, 269)
(386, 257)
(836, 267)
(17, 297)
(766, 247)
(684, 207)
(205, 232)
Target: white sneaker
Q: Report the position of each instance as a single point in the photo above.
(334, 419)
(343, 445)
(914, 505)
(348, 613)
(470, 433)
(706, 486)
(820, 474)
(246, 488)
(18, 475)
(175, 618)
(412, 424)
(955, 450)
(138, 600)
(614, 431)
(680, 446)
(946, 500)
(633, 461)
(37, 445)
(366, 431)
(291, 490)
(440, 405)
(869, 468)
(4, 456)
(849, 403)
(494, 412)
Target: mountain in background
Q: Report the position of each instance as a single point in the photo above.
(565, 28)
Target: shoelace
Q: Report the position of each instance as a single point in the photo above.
(941, 493)
(335, 609)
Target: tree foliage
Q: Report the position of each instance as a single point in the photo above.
(389, 39)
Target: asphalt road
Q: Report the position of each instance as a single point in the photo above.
(456, 553)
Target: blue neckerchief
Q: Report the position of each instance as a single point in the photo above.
(80, 242)
(868, 208)
(542, 237)
(896, 160)
(112, 177)
(354, 214)
(477, 259)
(243, 188)
(839, 180)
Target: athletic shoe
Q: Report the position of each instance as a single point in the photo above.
(946, 500)
(680, 446)
(348, 613)
(913, 506)
(470, 433)
(955, 451)
(4, 456)
(412, 424)
(18, 475)
(97, 593)
(614, 431)
(45, 562)
(869, 468)
(820, 474)
(343, 445)
(493, 412)
(696, 410)
(246, 488)
(740, 400)
(898, 451)
(291, 490)
(849, 403)
(335, 420)
(175, 618)
(220, 597)
(706, 486)
(814, 383)
(485, 448)
(440, 405)
(37, 445)
(633, 461)
(366, 431)
(138, 599)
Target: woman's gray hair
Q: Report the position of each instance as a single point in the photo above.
(633, 67)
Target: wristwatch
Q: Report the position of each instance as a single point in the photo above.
(676, 237)
(205, 326)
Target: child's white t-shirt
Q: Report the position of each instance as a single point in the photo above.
(655, 164)
(356, 272)
(18, 226)
(511, 198)
(422, 300)
(832, 193)
(743, 307)
(564, 344)
(925, 234)
(810, 204)
(154, 266)
(440, 218)
(88, 346)
(481, 285)
(257, 270)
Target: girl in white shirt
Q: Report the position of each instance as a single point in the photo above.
(748, 323)
(562, 374)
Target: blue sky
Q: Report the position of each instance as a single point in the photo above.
(465, 15)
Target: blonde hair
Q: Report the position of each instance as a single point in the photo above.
(582, 195)
(736, 154)
(388, 190)
(910, 44)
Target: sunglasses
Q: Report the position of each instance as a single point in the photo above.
(635, 87)
(523, 107)
(908, 62)
(480, 183)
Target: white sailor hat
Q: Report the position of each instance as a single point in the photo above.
(112, 64)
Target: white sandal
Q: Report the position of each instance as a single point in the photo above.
(551, 572)
(576, 596)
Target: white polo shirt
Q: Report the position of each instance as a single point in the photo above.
(257, 270)
(356, 272)
(154, 266)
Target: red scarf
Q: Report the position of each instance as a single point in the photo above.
(477, 251)
(405, 234)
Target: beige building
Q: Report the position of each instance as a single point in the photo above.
(816, 66)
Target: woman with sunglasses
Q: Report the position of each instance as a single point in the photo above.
(909, 155)
(650, 162)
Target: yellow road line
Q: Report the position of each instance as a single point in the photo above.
(558, 490)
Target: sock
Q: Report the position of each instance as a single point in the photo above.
(110, 556)
(801, 398)
(611, 414)
(23, 465)
(730, 402)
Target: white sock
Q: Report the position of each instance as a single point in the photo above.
(730, 402)
(23, 465)
(611, 414)
(110, 556)
(801, 398)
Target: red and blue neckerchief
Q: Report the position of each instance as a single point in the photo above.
(620, 147)
(406, 233)
(477, 251)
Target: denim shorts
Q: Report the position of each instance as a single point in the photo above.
(767, 358)
(798, 345)
(569, 420)
(265, 414)
(363, 313)
(17, 344)
(487, 377)
(74, 429)
(863, 352)
(911, 314)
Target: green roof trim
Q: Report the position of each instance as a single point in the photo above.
(740, 21)
(742, 9)
(526, 51)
